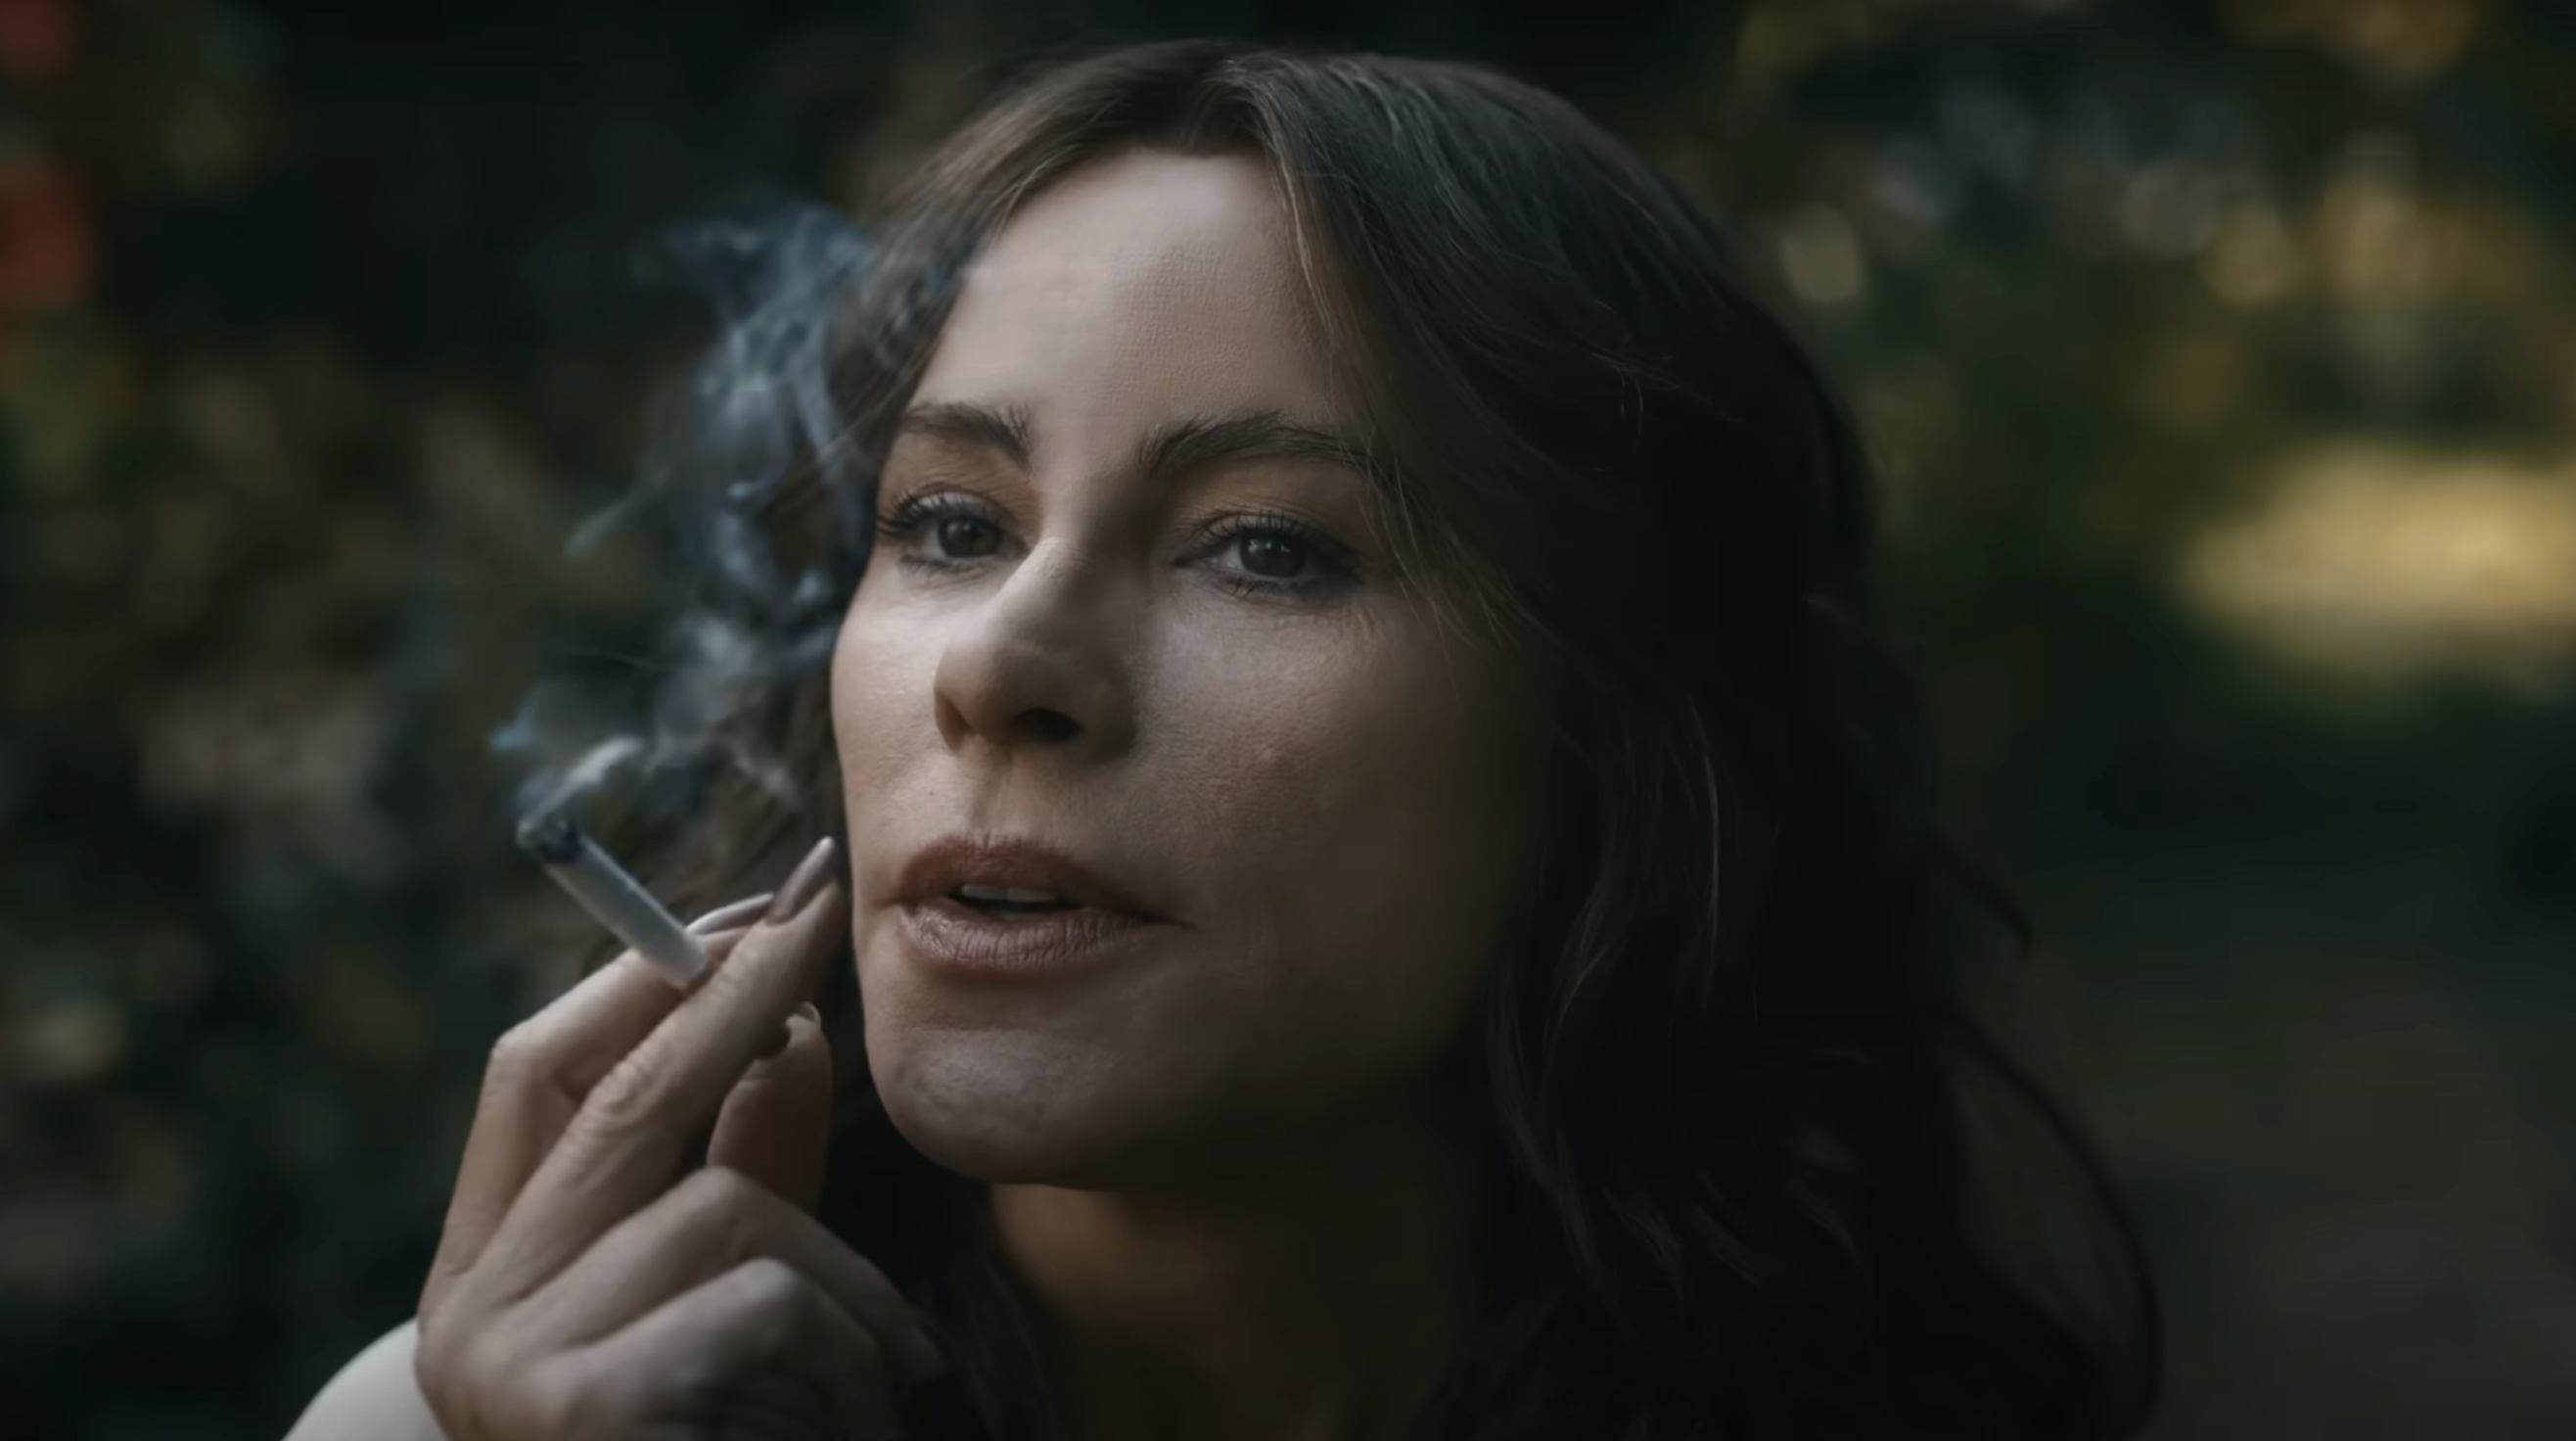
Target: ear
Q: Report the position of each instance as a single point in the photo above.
(776, 1126)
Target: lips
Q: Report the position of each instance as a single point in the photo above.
(1003, 908)
(1001, 872)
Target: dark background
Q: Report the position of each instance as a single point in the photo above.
(2222, 358)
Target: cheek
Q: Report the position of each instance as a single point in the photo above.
(1375, 823)
(1344, 810)
(880, 669)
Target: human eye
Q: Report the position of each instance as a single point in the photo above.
(1272, 554)
(943, 530)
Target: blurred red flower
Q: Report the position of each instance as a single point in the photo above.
(37, 37)
(45, 234)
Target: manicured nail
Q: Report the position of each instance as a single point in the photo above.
(812, 875)
(787, 1033)
(745, 910)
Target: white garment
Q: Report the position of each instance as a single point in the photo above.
(373, 1398)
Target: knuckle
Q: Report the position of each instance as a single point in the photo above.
(774, 1291)
(561, 1404)
(518, 1059)
(435, 1376)
(713, 1200)
(700, 1219)
(723, 1209)
(429, 1343)
(629, 1101)
(464, 1379)
(781, 1309)
(442, 1357)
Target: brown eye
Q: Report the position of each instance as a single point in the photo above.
(1273, 556)
(965, 537)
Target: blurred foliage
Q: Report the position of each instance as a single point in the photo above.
(2222, 359)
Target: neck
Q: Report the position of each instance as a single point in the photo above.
(1317, 1292)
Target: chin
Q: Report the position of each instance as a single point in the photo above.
(990, 1111)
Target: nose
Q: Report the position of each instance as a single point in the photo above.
(1035, 667)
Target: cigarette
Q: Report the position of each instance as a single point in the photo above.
(615, 898)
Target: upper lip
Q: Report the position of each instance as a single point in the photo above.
(939, 868)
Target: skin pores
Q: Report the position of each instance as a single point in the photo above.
(1207, 684)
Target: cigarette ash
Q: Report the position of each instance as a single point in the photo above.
(754, 415)
(612, 896)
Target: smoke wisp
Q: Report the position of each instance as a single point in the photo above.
(753, 414)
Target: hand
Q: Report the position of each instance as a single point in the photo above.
(586, 1288)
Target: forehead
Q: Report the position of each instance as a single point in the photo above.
(1138, 287)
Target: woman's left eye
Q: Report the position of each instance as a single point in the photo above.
(1274, 555)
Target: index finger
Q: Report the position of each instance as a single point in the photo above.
(629, 1140)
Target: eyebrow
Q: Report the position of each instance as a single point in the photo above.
(977, 426)
(1169, 452)
(1202, 442)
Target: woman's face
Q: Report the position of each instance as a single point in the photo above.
(1177, 817)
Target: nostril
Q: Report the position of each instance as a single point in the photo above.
(1048, 726)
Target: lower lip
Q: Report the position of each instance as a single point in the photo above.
(958, 937)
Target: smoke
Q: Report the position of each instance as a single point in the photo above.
(753, 414)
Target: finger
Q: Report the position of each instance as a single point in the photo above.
(536, 1077)
(712, 1223)
(631, 1137)
(776, 1124)
(718, 1349)
(538, 1074)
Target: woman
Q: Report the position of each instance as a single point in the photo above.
(1392, 882)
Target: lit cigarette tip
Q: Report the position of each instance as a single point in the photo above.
(616, 899)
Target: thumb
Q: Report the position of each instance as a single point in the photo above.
(776, 1123)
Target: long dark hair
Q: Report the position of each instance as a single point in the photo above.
(1734, 1067)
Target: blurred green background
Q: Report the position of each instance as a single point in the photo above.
(2221, 355)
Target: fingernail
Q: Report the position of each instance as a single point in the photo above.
(812, 875)
(746, 909)
(787, 1033)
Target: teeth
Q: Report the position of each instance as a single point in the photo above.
(1012, 895)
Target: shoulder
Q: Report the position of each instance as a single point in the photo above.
(373, 1398)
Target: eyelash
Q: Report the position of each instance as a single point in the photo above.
(920, 512)
(915, 514)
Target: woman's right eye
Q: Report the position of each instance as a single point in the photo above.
(942, 530)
